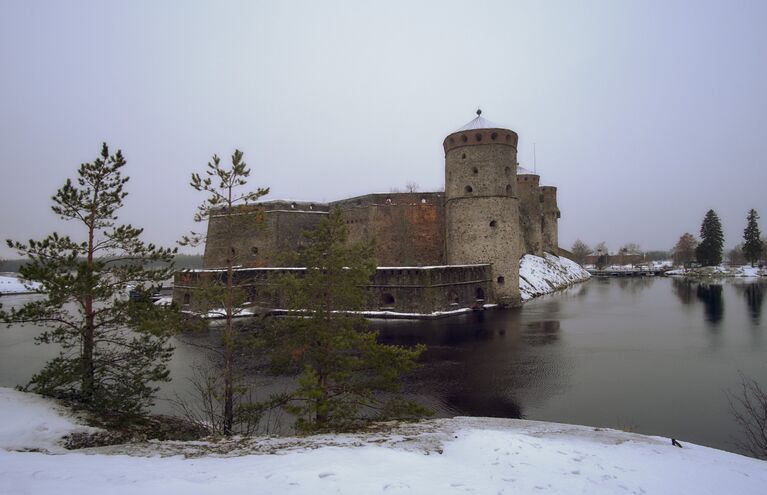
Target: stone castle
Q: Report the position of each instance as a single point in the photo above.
(437, 252)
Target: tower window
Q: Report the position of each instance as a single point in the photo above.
(475, 170)
(464, 138)
(508, 189)
(493, 223)
(501, 280)
(463, 156)
(468, 189)
(254, 250)
(187, 298)
(508, 170)
(494, 136)
(387, 299)
(478, 137)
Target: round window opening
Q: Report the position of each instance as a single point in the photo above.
(494, 136)
(493, 223)
(468, 189)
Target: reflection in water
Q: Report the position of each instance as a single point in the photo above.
(634, 285)
(754, 298)
(477, 364)
(542, 332)
(711, 297)
(684, 289)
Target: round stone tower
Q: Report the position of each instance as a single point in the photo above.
(529, 211)
(549, 219)
(481, 205)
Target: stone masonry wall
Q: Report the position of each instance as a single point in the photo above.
(549, 219)
(408, 228)
(482, 208)
(401, 290)
(530, 214)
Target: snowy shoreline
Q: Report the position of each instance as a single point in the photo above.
(481, 455)
(539, 276)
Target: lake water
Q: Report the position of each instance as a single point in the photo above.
(653, 355)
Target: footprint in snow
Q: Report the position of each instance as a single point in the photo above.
(395, 486)
(326, 475)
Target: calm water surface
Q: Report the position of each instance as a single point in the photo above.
(652, 355)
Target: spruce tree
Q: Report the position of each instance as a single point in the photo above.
(709, 251)
(752, 238)
(222, 295)
(113, 348)
(347, 377)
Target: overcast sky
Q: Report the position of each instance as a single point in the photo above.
(644, 114)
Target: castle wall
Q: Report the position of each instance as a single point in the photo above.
(260, 234)
(482, 208)
(530, 214)
(408, 290)
(408, 228)
(549, 219)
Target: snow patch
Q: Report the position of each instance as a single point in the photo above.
(538, 276)
(478, 455)
(15, 285)
(29, 421)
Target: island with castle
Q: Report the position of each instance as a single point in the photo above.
(437, 253)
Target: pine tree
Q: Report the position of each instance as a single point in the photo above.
(223, 295)
(709, 251)
(348, 377)
(752, 238)
(113, 349)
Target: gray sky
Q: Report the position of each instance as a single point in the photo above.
(644, 114)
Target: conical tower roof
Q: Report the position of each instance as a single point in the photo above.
(479, 122)
(523, 171)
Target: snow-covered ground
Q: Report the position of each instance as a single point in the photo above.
(459, 455)
(14, 285)
(538, 276)
(745, 271)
